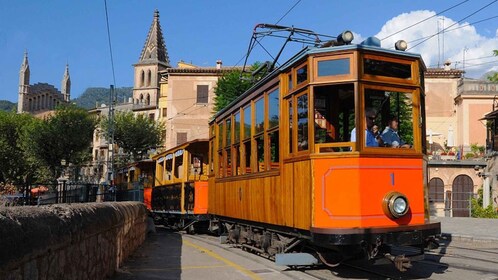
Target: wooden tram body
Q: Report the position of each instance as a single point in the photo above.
(283, 168)
(179, 197)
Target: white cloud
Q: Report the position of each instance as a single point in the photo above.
(456, 39)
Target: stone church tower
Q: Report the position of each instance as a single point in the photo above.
(153, 59)
(23, 84)
(40, 97)
(66, 85)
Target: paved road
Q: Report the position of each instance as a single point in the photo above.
(171, 255)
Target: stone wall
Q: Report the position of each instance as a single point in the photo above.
(69, 241)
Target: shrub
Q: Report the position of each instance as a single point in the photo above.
(478, 211)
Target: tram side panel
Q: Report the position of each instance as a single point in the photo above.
(265, 199)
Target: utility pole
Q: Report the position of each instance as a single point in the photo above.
(110, 170)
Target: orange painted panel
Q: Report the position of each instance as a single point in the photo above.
(148, 198)
(348, 192)
(201, 197)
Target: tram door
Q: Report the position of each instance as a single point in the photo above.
(462, 191)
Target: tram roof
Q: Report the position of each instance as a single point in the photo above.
(310, 51)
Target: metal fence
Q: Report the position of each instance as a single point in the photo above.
(69, 192)
(452, 204)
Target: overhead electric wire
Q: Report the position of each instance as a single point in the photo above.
(456, 28)
(278, 21)
(110, 45)
(444, 30)
(419, 22)
(281, 18)
(466, 60)
(478, 64)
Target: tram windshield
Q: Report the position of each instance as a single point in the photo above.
(388, 118)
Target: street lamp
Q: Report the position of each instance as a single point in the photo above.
(62, 183)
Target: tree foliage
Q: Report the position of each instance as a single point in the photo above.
(494, 77)
(134, 134)
(66, 135)
(232, 85)
(15, 163)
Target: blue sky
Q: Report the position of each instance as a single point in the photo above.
(55, 32)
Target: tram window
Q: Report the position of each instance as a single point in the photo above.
(229, 162)
(178, 170)
(211, 157)
(220, 163)
(274, 149)
(273, 109)
(394, 117)
(220, 135)
(334, 115)
(247, 156)
(229, 132)
(290, 81)
(236, 155)
(333, 67)
(260, 145)
(302, 74)
(302, 122)
(168, 168)
(260, 116)
(236, 123)
(247, 122)
(387, 68)
(291, 113)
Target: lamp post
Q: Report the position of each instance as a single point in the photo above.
(62, 183)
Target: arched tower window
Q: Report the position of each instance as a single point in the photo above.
(149, 78)
(141, 99)
(148, 99)
(142, 79)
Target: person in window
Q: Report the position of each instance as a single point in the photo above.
(390, 135)
(369, 123)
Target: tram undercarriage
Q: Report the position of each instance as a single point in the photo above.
(300, 248)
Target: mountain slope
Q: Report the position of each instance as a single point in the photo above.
(92, 96)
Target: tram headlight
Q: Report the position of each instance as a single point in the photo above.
(345, 37)
(401, 45)
(399, 205)
(395, 204)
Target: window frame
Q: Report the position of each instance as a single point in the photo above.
(413, 80)
(336, 78)
(417, 132)
(198, 97)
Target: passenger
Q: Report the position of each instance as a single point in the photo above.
(369, 123)
(390, 135)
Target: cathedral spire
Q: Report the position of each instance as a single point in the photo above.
(66, 84)
(23, 84)
(24, 72)
(154, 49)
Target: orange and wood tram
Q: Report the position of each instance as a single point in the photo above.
(322, 160)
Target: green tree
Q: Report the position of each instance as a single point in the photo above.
(15, 164)
(66, 135)
(494, 77)
(232, 85)
(134, 134)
